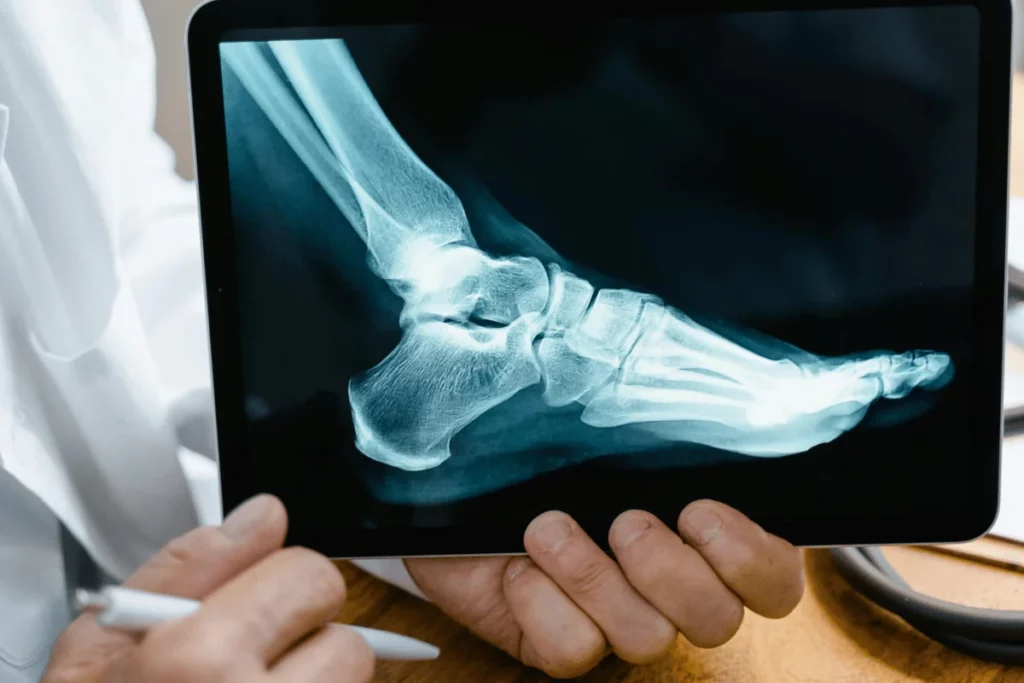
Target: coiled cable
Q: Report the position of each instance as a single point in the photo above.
(987, 634)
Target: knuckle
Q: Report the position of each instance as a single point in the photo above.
(259, 625)
(587, 576)
(76, 653)
(328, 582)
(787, 596)
(320, 576)
(575, 655)
(184, 658)
(653, 645)
(648, 570)
(793, 570)
(194, 545)
(354, 655)
(721, 628)
(745, 566)
(64, 673)
(796, 594)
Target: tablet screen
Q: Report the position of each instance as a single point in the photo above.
(488, 270)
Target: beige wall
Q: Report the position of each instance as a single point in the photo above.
(167, 19)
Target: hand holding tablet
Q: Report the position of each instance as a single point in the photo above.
(567, 605)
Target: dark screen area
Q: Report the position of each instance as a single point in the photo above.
(797, 177)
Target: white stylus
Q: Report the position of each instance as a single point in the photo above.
(126, 609)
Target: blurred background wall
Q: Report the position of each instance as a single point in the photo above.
(167, 19)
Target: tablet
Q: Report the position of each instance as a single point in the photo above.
(467, 263)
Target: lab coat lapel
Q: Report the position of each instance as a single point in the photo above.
(122, 449)
(85, 432)
(5, 114)
(82, 418)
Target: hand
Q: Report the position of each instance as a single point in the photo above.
(264, 616)
(567, 605)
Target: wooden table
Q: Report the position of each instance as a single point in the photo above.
(834, 636)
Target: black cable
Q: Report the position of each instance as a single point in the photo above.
(1015, 283)
(80, 571)
(987, 634)
(1013, 422)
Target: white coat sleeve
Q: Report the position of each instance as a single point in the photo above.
(160, 254)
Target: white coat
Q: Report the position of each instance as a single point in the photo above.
(105, 417)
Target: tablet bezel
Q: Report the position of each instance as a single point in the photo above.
(214, 22)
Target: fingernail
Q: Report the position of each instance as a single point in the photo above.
(550, 536)
(702, 524)
(628, 529)
(516, 567)
(246, 517)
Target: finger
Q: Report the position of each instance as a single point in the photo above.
(269, 607)
(765, 571)
(636, 631)
(335, 654)
(675, 579)
(471, 591)
(197, 563)
(557, 637)
(192, 566)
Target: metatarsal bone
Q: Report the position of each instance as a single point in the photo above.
(609, 327)
(670, 334)
(685, 383)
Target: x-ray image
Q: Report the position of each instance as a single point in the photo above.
(481, 258)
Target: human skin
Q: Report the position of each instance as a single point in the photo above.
(265, 616)
(567, 605)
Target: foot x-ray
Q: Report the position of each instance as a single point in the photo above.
(484, 344)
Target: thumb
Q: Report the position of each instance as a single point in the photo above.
(191, 566)
(196, 564)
